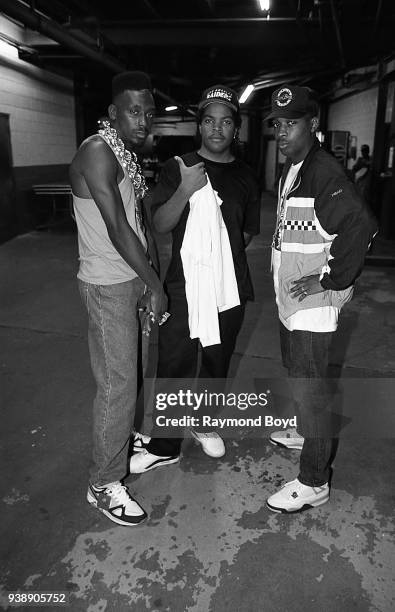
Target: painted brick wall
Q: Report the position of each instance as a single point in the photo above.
(40, 106)
(42, 123)
(357, 115)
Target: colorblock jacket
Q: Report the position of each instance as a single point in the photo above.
(327, 229)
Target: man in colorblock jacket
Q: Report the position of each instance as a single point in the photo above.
(322, 234)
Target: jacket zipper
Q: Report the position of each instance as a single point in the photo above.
(278, 207)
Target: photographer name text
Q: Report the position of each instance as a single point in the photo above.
(221, 423)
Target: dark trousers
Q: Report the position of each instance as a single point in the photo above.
(305, 354)
(178, 357)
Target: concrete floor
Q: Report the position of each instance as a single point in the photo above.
(209, 544)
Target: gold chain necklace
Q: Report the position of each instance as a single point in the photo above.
(127, 159)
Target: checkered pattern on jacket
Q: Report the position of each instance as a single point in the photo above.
(299, 225)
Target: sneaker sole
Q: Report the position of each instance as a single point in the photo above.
(302, 509)
(211, 454)
(92, 501)
(156, 465)
(291, 446)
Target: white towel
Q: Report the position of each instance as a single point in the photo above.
(210, 280)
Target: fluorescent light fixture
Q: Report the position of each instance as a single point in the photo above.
(170, 108)
(246, 93)
(264, 5)
(7, 50)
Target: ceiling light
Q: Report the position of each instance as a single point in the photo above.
(246, 93)
(171, 108)
(264, 5)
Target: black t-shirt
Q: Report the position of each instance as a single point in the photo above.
(238, 189)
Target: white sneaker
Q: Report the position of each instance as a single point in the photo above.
(212, 443)
(115, 501)
(288, 438)
(140, 442)
(145, 461)
(295, 496)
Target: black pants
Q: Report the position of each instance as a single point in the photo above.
(178, 356)
(306, 355)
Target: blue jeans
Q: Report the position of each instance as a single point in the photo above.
(114, 339)
(306, 355)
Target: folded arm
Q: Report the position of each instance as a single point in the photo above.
(190, 179)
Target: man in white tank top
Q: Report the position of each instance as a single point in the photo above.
(115, 276)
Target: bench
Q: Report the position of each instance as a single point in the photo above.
(61, 198)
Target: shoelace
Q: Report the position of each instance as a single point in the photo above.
(295, 485)
(296, 491)
(119, 492)
(298, 487)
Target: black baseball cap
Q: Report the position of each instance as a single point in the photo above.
(222, 94)
(293, 102)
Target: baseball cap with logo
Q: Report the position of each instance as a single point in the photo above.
(293, 102)
(222, 94)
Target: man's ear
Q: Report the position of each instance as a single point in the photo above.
(112, 112)
(314, 124)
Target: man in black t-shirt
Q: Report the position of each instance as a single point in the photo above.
(218, 123)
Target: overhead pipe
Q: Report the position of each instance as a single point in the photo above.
(266, 83)
(35, 21)
(377, 19)
(152, 10)
(49, 28)
(338, 34)
(299, 20)
(302, 75)
(210, 21)
(320, 19)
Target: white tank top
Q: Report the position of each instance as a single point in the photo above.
(100, 262)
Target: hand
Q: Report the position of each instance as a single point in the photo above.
(144, 304)
(144, 307)
(158, 305)
(305, 286)
(193, 178)
(146, 323)
(147, 319)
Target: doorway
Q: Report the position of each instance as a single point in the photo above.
(8, 217)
